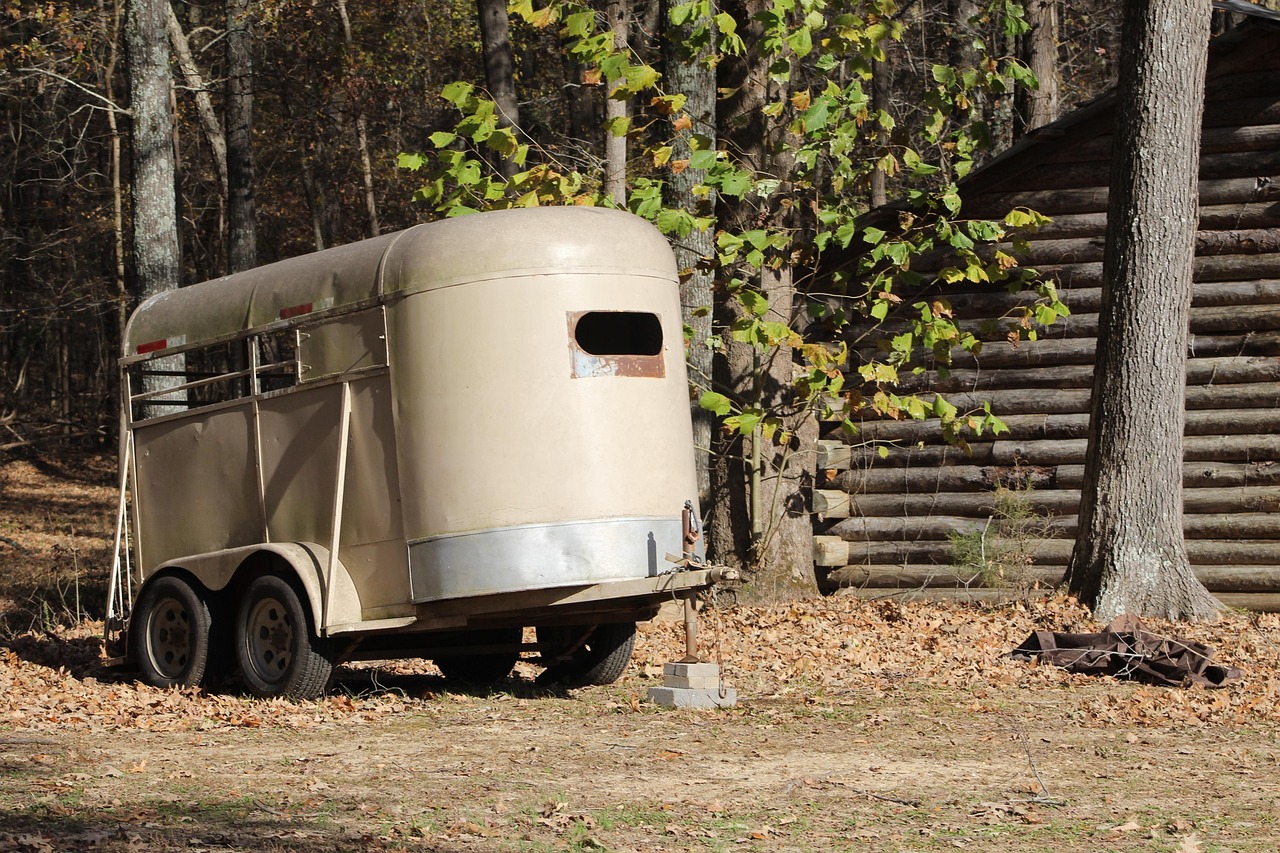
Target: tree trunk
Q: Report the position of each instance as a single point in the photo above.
(204, 104)
(499, 68)
(1130, 556)
(767, 532)
(615, 147)
(242, 229)
(362, 128)
(881, 94)
(1042, 58)
(155, 211)
(694, 77)
(120, 289)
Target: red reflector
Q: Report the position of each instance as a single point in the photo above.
(152, 346)
(296, 310)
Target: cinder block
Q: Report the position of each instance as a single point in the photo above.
(675, 697)
(697, 682)
(691, 670)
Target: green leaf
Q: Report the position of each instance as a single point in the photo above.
(713, 402)
(736, 183)
(801, 41)
(872, 235)
(618, 125)
(457, 93)
(754, 302)
(675, 221)
(412, 162)
(746, 422)
(641, 77)
(702, 159)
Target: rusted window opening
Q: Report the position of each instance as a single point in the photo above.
(616, 343)
(619, 333)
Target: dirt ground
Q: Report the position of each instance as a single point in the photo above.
(877, 725)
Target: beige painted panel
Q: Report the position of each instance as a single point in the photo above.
(300, 462)
(372, 546)
(196, 490)
(493, 428)
(380, 573)
(344, 344)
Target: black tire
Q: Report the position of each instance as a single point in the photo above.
(486, 668)
(221, 665)
(276, 645)
(169, 634)
(599, 659)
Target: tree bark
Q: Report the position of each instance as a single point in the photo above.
(362, 129)
(1130, 556)
(1042, 59)
(766, 531)
(615, 147)
(155, 209)
(695, 78)
(499, 68)
(881, 95)
(204, 104)
(242, 229)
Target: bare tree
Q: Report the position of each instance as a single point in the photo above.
(1129, 555)
(209, 122)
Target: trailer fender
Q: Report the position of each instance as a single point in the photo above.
(308, 561)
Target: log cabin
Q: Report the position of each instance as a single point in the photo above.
(911, 523)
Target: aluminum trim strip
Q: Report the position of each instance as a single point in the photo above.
(541, 556)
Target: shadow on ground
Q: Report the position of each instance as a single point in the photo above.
(217, 827)
(82, 657)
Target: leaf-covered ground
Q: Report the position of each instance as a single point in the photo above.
(862, 725)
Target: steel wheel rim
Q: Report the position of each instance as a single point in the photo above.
(169, 637)
(270, 638)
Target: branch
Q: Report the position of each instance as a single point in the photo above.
(110, 103)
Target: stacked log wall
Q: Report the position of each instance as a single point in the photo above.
(883, 523)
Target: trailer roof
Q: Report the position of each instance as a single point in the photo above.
(448, 253)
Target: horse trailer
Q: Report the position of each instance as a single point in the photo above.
(418, 445)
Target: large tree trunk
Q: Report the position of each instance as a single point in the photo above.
(767, 531)
(499, 68)
(155, 212)
(1129, 555)
(242, 229)
(693, 76)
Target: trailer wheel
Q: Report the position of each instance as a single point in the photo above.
(484, 668)
(170, 634)
(276, 645)
(599, 659)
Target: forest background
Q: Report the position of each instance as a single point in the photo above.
(781, 124)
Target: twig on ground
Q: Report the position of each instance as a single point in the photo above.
(1044, 796)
